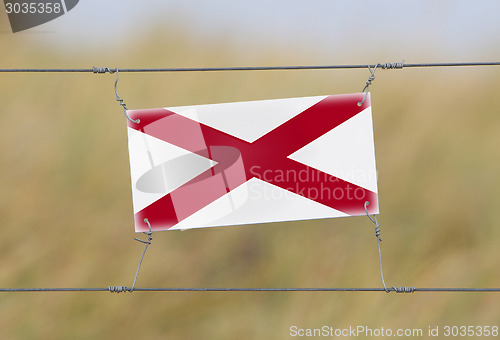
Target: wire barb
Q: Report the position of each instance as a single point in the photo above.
(404, 289)
(392, 66)
(117, 289)
(102, 70)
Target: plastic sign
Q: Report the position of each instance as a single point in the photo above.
(252, 162)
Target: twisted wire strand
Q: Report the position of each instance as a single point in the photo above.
(392, 66)
(147, 243)
(102, 70)
(120, 289)
(369, 82)
(117, 289)
(251, 68)
(118, 99)
(379, 239)
(404, 289)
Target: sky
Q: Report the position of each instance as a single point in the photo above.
(451, 30)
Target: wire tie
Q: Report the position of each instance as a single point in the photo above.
(392, 66)
(371, 78)
(117, 289)
(377, 235)
(368, 83)
(121, 289)
(147, 243)
(404, 289)
(102, 70)
(118, 99)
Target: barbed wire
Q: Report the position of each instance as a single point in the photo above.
(120, 289)
(398, 65)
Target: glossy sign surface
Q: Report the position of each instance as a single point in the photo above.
(252, 162)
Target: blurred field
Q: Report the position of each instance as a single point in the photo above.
(66, 208)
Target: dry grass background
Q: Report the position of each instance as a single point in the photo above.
(66, 208)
